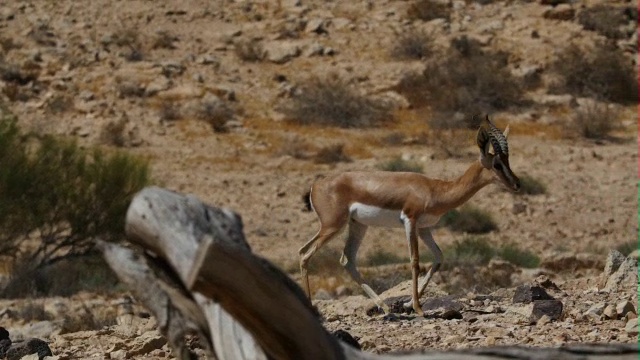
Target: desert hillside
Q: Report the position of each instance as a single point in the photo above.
(245, 103)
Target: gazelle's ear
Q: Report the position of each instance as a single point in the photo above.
(506, 131)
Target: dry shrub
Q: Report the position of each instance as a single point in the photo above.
(603, 73)
(469, 219)
(7, 44)
(127, 89)
(113, 133)
(595, 120)
(467, 80)
(413, 44)
(129, 38)
(331, 101)
(398, 164)
(326, 261)
(164, 40)
(170, 111)
(531, 186)
(606, 20)
(59, 104)
(249, 50)
(216, 113)
(427, 10)
(331, 154)
(296, 147)
(87, 320)
(33, 311)
(43, 35)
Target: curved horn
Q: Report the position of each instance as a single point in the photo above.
(499, 141)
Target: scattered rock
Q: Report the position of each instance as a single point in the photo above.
(526, 294)
(280, 52)
(626, 276)
(570, 262)
(596, 311)
(322, 294)
(535, 310)
(347, 338)
(632, 327)
(625, 307)
(610, 312)
(614, 260)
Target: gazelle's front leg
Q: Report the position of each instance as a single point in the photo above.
(410, 228)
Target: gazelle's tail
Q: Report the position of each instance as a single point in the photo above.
(306, 197)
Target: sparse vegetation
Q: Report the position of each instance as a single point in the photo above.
(531, 186)
(331, 154)
(469, 219)
(331, 101)
(249, 50)
(427, 10)
(602, 73)
(470, 250)
(33, 311)
(58, 198)
(466, 80)
(513, 254)
(606, 20)
(128, 89)
(113, 133)
(412, 44)
(170, 111)
(595, 120)
(59, 104)
(398, 164)
(164, 40)
(87, 320)
(382, 257)
(216, 113)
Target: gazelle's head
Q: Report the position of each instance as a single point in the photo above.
(498, 161)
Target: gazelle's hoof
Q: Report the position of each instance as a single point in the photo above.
(409, 306)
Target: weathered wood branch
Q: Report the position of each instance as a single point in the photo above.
(207, 250)
(234, 289)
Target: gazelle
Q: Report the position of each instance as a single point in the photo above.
(401, 199)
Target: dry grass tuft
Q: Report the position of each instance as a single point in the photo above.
(413, 44)
(427, 10)
(595, 120)
(331, 154)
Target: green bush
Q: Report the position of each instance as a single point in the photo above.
(469, 219)
(57, 197)
(331, 101)
(523, 258)
(398, 164)
(471, 250)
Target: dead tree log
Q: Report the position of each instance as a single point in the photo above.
(205, 247)
(206, 250)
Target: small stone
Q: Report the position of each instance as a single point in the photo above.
(610, 312)
(544, 319)
(632, 327)
(118, 354)
(614, 260)
(518, 208)
(526, 294)
(322, 294)
(625, 307)
(596, 311)
(625, 277)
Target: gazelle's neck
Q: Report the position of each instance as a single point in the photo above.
(458, 191)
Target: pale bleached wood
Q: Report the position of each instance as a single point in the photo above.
(206, 248)
(176, 313)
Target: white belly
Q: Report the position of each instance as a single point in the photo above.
(375, 216)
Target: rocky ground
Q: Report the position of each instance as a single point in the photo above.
(139, 76)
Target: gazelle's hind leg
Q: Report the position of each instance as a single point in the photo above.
(306, 252)
(348, 260)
